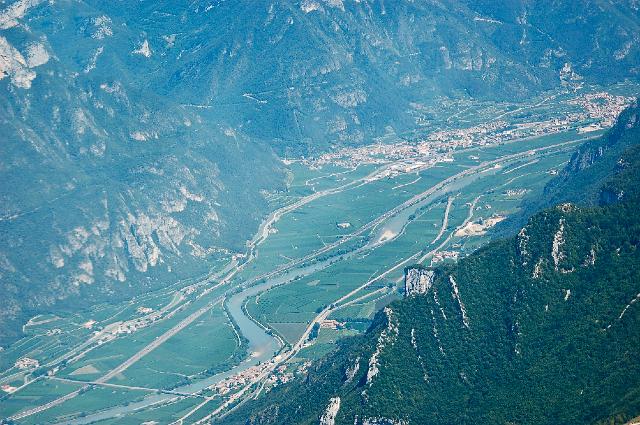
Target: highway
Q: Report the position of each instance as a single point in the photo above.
(56, 402)
(262, 235)
(157, 342)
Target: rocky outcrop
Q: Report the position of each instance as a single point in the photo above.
(417, 280)
(558, 241)
(329, 415)
(380, 421)
(352, 370)
(387, 337)
(455, 293)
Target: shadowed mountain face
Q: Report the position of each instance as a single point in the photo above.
(304, 75)
(138, 137)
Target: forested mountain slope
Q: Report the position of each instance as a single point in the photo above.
(129, 129)
(538, 328)
(581, 180)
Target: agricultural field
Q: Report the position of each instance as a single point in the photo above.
(289, 308)
(327, 259)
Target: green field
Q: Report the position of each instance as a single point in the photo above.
(209, 344)
(289, 308)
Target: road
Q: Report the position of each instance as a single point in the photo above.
(445, 220)
(262, 235)
(56, 402)
(126, 387)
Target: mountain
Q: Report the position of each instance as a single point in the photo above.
(311, 74)
(538, 328)
(110, 188)
(599, 156)
(130, 130)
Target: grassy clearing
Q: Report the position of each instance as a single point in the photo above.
(291, 331)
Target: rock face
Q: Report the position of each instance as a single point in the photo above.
(580, 181)
(417, 280)
(129, 129)
(589, 154)
(329, 415)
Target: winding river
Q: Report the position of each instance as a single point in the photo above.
(262, 345)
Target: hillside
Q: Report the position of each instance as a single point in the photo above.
(581, 180)
(130, 129)
(537, 328)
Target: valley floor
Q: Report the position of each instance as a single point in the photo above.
(330, 255)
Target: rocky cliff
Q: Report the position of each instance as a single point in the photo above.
(417, 280)
(539, 328)
(130, 129)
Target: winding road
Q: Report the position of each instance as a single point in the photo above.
(395, 218)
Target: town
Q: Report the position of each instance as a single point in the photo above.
(586, 113)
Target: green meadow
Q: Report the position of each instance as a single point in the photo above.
(213, 344)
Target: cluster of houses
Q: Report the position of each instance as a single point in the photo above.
(595, 111)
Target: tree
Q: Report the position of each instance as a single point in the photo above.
(314, 331)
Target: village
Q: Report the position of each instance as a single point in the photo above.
(587, 113)
(275, 375)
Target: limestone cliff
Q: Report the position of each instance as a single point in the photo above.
(417, 280)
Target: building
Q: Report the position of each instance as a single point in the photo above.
(27, 363)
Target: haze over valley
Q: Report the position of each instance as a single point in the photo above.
(319, 211)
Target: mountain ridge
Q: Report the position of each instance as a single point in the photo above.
(535, 328)
(163, 111)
